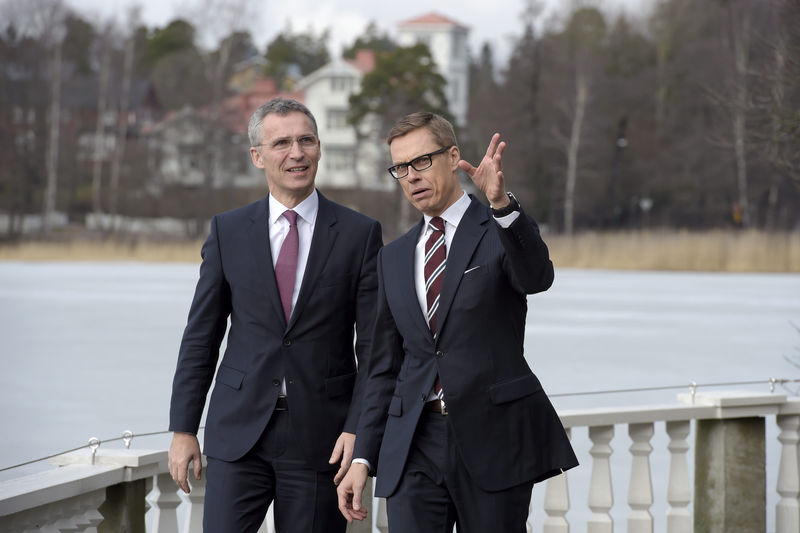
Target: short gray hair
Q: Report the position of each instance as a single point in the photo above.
(280, 106)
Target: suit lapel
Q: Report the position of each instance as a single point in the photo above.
(403, 263)
(258, 239)
(469, 233)
(321, 244)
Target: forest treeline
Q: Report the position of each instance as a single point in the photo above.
(687, 116)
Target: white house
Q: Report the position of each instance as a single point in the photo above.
(346, 162)
(447, 41)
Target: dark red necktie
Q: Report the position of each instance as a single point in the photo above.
(286, 266)
(435, 260)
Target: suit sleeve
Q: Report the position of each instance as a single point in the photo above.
(527, 259)
(199, 350)
(365, 318)
(384, 364)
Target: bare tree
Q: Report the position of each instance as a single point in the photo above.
(739, 34)
(100, 149)
(54, 31)
(220, 19)
(122, 120)
(573, 147)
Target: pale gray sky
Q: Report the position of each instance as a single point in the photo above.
(495, 21)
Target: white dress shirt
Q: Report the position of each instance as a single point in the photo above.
(279, 228)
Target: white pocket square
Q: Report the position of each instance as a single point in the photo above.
(471, 269)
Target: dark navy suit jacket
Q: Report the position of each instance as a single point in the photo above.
(314, 352)
(505, 427)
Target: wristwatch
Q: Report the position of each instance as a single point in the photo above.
(507, 210)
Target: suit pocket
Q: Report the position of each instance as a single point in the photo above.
(330, 281)
(230, 376)
(514, 389)
(340, 385)
(396, 407)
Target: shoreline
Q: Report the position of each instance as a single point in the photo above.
(712, 251)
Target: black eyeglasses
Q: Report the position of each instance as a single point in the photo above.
(419, 164)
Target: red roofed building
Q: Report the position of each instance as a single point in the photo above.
(447, 41)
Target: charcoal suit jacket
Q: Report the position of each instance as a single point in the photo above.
(315, 352)
(505, 427)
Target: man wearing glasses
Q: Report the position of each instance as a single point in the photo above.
(295, 275)
(454, 423)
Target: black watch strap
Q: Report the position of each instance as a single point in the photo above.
(507, 210)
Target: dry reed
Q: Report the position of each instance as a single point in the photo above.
(719, 251)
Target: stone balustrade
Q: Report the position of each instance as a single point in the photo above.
(131, 490)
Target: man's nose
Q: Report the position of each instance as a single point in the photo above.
(296, 152)
(412, 175)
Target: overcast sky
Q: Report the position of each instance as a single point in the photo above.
(493, 21)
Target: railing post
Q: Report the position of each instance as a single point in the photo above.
(679, 490)
(730, 476)
(640, 489)
(787, 511)
(123, 509)
(601, 497)
(164, 501)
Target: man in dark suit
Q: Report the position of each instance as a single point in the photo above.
(454, 423)
(295, 274)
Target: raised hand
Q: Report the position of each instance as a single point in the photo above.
(488, 175)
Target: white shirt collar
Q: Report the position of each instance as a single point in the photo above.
(306, 210)
(453, 214)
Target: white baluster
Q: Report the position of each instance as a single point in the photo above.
(787, 511)
(164, 500)
(640, 489)
(70, 513)
(381, 518)
(528, 525)
(196, 503)
(556, 504)
(601, 498)
(268, 525)
(679, 488)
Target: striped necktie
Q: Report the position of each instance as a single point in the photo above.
(435, 260)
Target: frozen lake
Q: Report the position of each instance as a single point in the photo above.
(89, 348)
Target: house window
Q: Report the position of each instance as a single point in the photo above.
(339, 159)
(190, 157)
(336, 119)
(341, 84)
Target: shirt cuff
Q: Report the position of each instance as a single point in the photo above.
(507, 220)
(363, 462)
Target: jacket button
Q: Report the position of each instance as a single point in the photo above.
(276, 382)
(439, 354)
(287, 342)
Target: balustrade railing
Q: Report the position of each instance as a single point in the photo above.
(104, 490)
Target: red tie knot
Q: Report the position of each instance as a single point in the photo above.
(437, 223)
(291, 216)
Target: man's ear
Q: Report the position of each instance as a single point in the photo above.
(255, 155)
(455, 156)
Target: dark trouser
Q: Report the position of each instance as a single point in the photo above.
(436, 491)
(238, 493)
